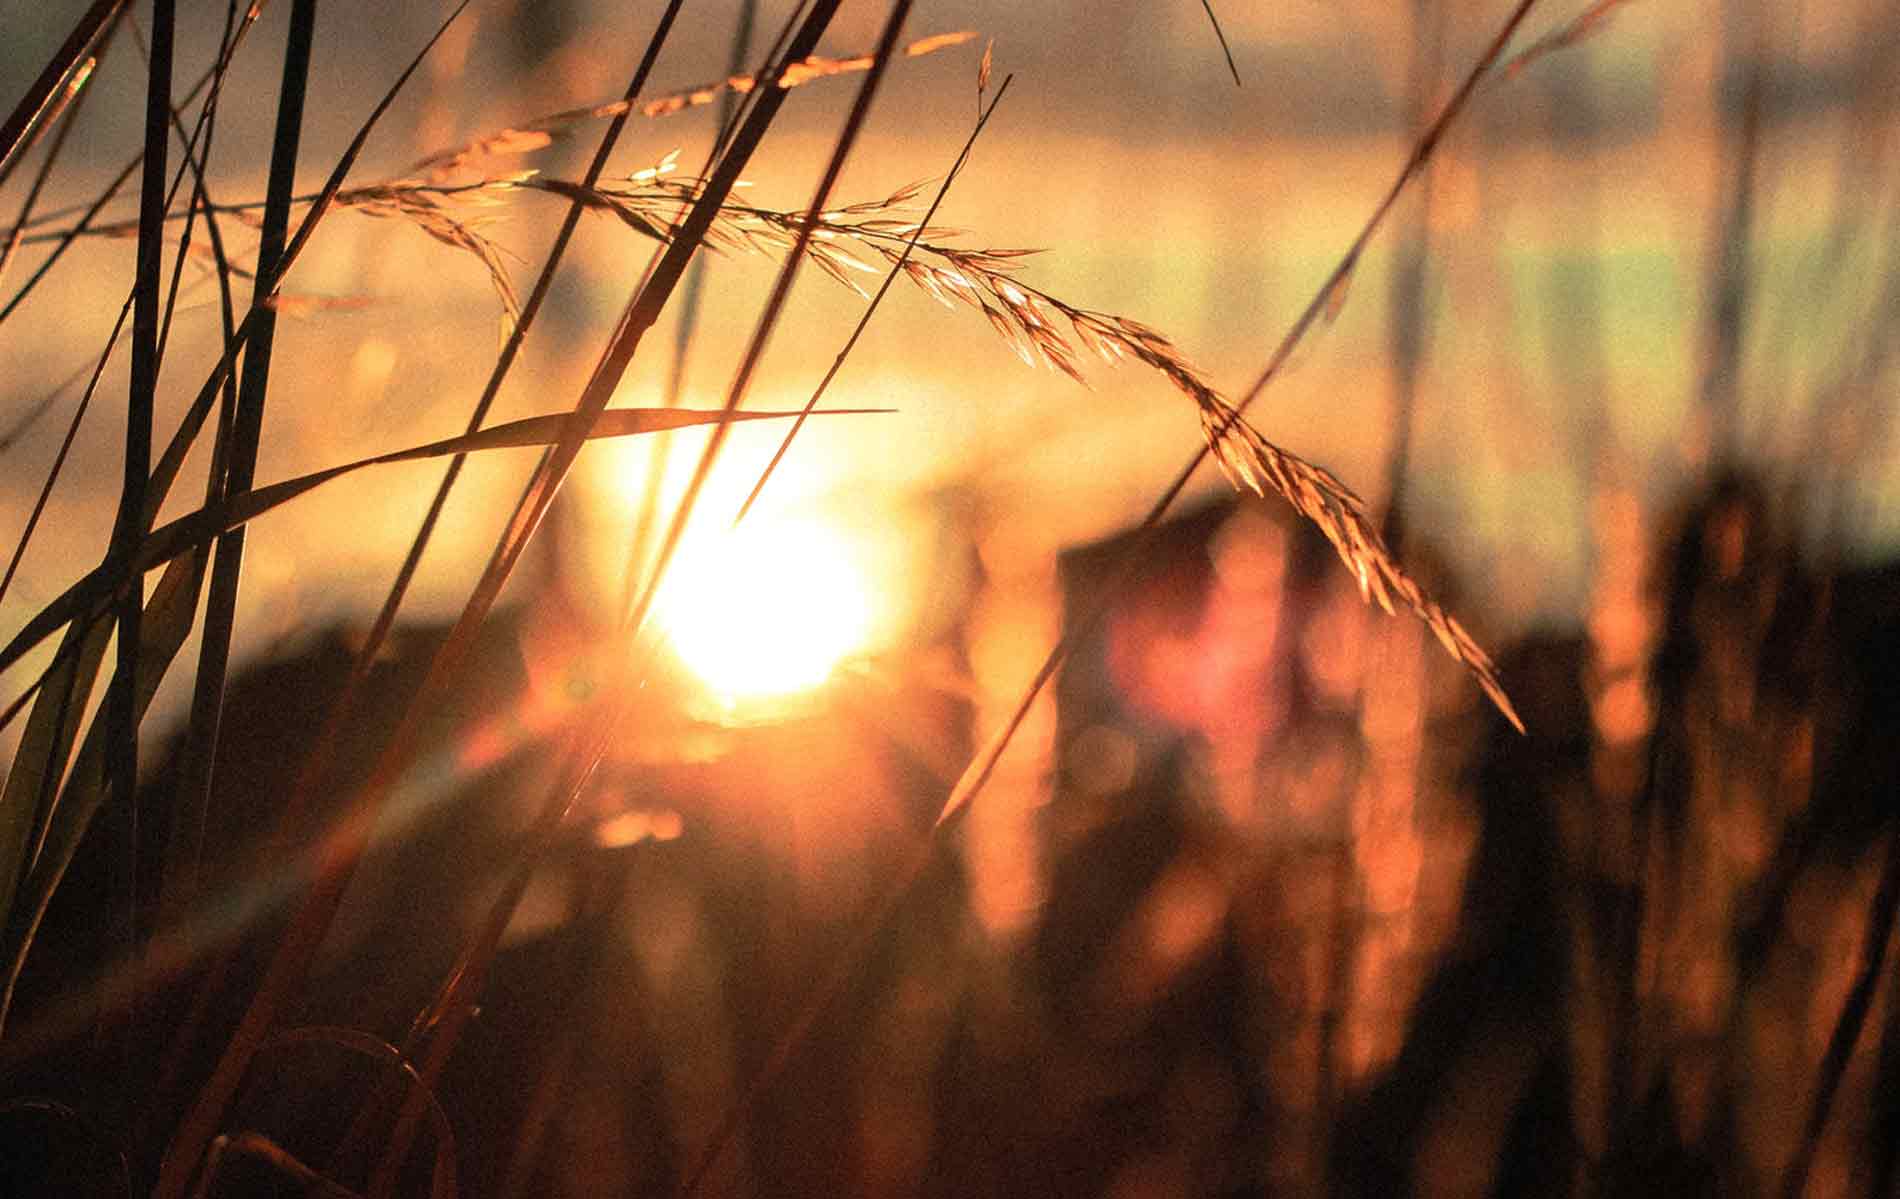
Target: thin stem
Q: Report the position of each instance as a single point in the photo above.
(41, 101)
(870, 309)
(246, 433)
(449, 1013)
(111, 190)
(72, 99)
(1225, 49)
(977, 775)
(661, 450)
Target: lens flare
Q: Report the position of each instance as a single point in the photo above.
(768, 610)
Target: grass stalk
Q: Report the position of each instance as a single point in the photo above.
(984, 764)
(91, 211)
(33, 782)
(185, 842)
(405, 575)
(345, 847)
(449, 1013)
(870, 309)
(873, 923)
(316, 764)
(775, 304)
(1227, 51)
(647, 513)
(41, 101)
(239, 463)
(172, 460)
(121, 713)
(174, 454)
(70, 103)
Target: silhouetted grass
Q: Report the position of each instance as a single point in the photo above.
(209, 1014)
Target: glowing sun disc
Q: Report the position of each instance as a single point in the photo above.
(768, 610)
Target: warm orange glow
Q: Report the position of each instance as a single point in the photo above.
(768, 610)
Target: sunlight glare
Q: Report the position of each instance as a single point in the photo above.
(767, 610)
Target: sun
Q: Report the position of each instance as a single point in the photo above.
(768, 610)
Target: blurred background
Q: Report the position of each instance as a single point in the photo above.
(1263, 898)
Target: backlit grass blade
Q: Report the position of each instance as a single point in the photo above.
(197, 528)
(72, 99)
(539, 132)
(42, 97)
(289, 965)
(190, 804)
(897, 268)
(46, 746)
(317, 762)
(91, 210)
(172, 460)
(119, 748)
(169, 615)
(238, 456)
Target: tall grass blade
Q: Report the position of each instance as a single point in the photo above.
(40, 763)
(173, 458)
(42, 98)
(450, 1011)
(685, 330)
(193, 163)
(730, 1122)
(198, 528)
(239, 461)
(316, 765)
(120, 748)
(71, 101)
(447, 1016)
(190, 808)
(46, 746)
(172, 461)
(106, 195)
(774, 305)
(172, 606)
(289, 964)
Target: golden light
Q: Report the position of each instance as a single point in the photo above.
(768, 610)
